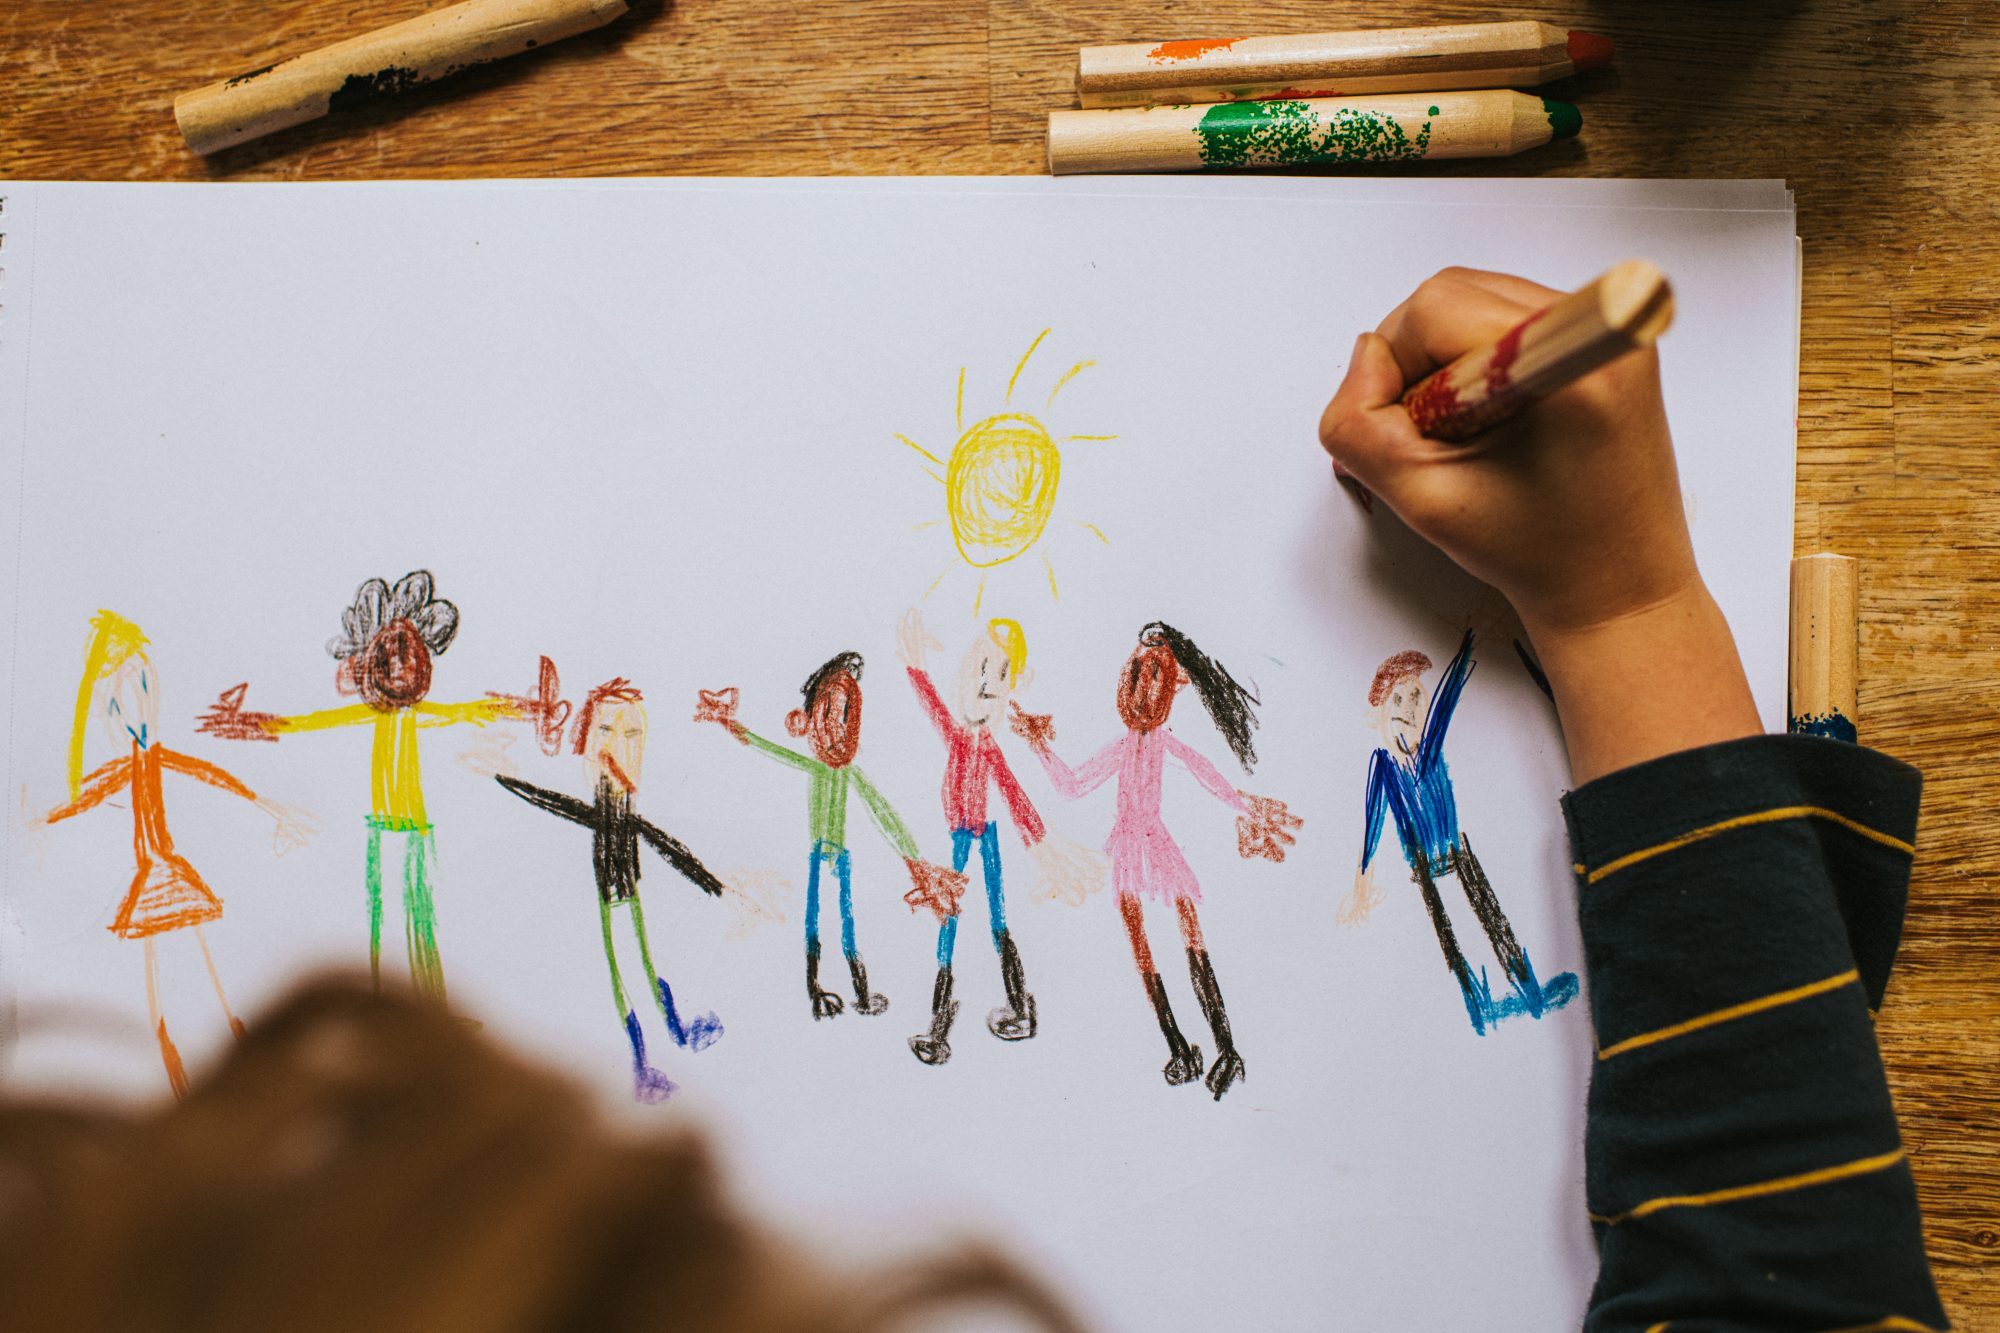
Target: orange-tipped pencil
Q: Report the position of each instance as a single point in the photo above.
(1336, 64)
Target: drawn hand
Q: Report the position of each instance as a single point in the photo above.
(1266, 830)
(293, 827)
(720, 706)
(544, 708)
(756, 897)
(488, 755)
(934, 887)
(228, 720)
(1037, 729)
(1070, 871)
(1365, 899)
(913, 640)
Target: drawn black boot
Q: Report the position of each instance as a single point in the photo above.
(1228, 1066)
(1486, 906)
(1014, 1021)
(1184, 1061)
(865, 1000)
(934, 1047)
(825, 1004)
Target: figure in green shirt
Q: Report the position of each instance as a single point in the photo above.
(830, 722)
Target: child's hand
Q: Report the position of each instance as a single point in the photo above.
(1365, 899)
(720, 706)
(1037, 729)
(1572, 508)
(1070, 872)
(228, 720)
(1266, 830)
(935, 888)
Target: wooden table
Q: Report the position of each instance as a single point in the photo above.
(1883, 114)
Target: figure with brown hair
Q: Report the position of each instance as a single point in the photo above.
(167, 894)
(611, 737)
(830, 722)
(1407, 778)
(1145, 861)
(387, 645)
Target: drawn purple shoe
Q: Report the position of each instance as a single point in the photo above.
(651, 1086)
(704, 1032)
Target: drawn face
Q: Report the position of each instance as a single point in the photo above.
(616, 744)
(1400, 716)
(132, 702)
(985, 679)
(834, 727)
(393, 671)
(1146, 686)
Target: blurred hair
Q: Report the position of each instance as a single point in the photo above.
(377, 605)
(840, 664)
(1013, 641)
(617, 690)
(1231, 706)
(114, 641)
(1400, 667)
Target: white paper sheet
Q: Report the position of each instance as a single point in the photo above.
(650, 429)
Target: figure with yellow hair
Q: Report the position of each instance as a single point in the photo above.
(121, 686)
(993, 668)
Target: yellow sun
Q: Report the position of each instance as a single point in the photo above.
(1000, 480)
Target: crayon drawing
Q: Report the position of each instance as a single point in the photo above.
(1408, 779)
(387, 647)
(829, 720)
(1145, 861)
(121, 687)
(610, 734)
(1000, 481)
(994, 667)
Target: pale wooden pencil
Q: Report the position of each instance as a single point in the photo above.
(1394, 127)
(430, 46)
(1825, 646)
(1520, 54)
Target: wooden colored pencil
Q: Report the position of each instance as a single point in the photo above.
(1336, 64)
(1625, 309)
(1395, 127)
(1825, 646)
(388, 60)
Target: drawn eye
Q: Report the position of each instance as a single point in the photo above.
(604, 727)
(631, 731)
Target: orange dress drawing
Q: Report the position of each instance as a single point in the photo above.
(167, 892)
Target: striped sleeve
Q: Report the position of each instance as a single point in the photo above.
(1741, 905)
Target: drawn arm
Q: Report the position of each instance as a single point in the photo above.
(680, 858)
(555, 802)
(97, 787)
(1080, 782)
(326, 718)
(1026, 821)
(886, 819)
(1377, 805)
(933, 705)
(1207, 774)
(478, 712)
(784, 755)
(1450, 686)
(206, 772)
(229, 720)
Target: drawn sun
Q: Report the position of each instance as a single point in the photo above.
(1000, 481)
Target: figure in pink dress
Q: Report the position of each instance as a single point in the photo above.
(1145, 861)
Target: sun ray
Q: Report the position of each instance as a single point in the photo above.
(1050, 565)
(1024, 364)
(980, 596)
(937, 477)
(920, 449)
(1093, 530)
(934, 582)
(959, 419)
(1067, 376)
(1070, 439)
(927, 524)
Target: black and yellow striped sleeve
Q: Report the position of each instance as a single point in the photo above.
(1741, 905)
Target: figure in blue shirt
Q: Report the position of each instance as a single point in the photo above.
(1408, 779)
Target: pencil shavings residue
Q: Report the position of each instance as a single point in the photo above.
(1173, 53)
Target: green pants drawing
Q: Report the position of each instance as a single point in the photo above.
(419, 913)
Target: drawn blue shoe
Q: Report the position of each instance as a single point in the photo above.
(1562, 988)
(648, 1083)
(1478, 1002)
(704, 1032)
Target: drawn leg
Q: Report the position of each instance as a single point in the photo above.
(235, 1023)
(865, 1001)
(1016, 1020)
(374, 872)
(169, 1056)
(1477, 1006)
(648, 1083)
(420, 915)
(1184, 1061)
(934, 1047)
(1228, 1066)
(1486, 906)
(704, 1030)
(825, 1004)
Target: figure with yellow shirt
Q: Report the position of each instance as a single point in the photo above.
(386, 647)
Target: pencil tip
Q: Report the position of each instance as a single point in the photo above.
(1565, 120)
(1588, 50)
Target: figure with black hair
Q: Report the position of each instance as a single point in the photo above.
(610, 734)
(1409, 780)
(389, 640)
(830, 722)
(1145, 861)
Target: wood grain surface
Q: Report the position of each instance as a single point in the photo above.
(1883, 114)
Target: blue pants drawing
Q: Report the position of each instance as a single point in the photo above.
(996, 894)
(825, 1003)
